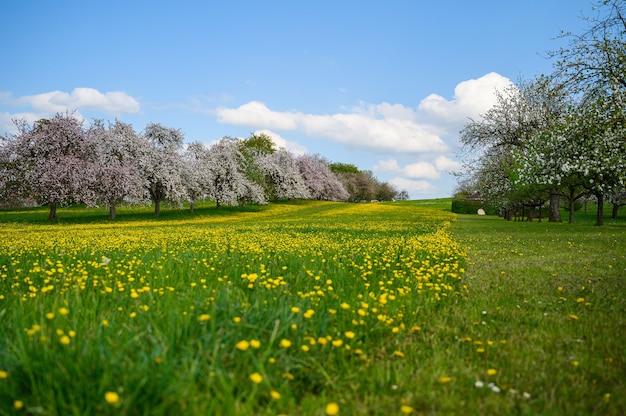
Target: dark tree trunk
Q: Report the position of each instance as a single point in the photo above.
(192, 206)
(615, 210)
(218, 204)
(52, 215)
(571, 210)
(600, 218)
(112, 211)
(555, 212)
(157, 207)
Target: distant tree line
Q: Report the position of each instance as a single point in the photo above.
(559, 137)
(57, 161)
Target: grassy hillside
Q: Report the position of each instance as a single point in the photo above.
(309, 308)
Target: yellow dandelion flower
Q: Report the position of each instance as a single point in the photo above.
(308, 314)
(344, 306)
(406, 409)
(255, 343)
(3, 374)
(256, 378)
(398, 354)
(573, 317)
(349, 334)
(332, 409)
(337, 343)
(236, 319)
(18, 404)
(105, 322)
(285, 343)
(445, 379)
(204, 317)
(65, 340)
(50, 316)
(580, 300)
(275, 395)
(492, 372)
(111, 397)
(64, 311)
(295, 309)
(305, 348)
(242, 345)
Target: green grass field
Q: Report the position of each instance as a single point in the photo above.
(310, 308)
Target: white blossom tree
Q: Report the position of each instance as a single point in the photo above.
(163, 165)
(119, 150)
(282, 176)
(321, 182)
(54, 161)
(228, 183)
(197, 174)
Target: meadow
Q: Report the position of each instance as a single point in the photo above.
(310, 308)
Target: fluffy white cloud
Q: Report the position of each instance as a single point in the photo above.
(445, 164)
(372, 128)
(413, 187)
(471, 98)
(418, 170)
(385, 127)
(114, 102)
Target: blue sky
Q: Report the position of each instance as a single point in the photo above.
(385, 85)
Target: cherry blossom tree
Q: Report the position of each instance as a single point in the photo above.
(321, 182)
(119, 152)
(197, 176)
(163, 165)
(282, 176)
(55, 160)
(228, 183)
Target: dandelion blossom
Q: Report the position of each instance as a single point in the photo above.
(256, 378)
(332, 409)
(204, 317)
(275, 395)
(65, 340)
(285, 343)
(18, 404)
(3, 374)
(445, 379)
(111, 397)
(242, 345)
(492, 372)
(255, 343)
(406, 409)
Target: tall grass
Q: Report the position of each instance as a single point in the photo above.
(309, 308)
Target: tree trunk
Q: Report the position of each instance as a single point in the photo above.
(157, 207)
(192, 205)
(615, 209)
(218, 205)
(52, 216)
(571, 210)
(600, 218)
(112, 211)
(555, 212)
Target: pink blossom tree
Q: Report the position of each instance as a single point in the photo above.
(119, 150)
(282, 176)
(55, 162)
(321, 182)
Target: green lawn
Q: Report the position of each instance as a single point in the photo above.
(310, 308)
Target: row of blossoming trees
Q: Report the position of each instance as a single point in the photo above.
(559, 137)
(58, 161)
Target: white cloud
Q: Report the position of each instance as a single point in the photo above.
(471, 98)
(114, 102)
(294, 147)
(413, 187)
(384, 127)
(372, 128)
(419, 170)
(445, 164)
